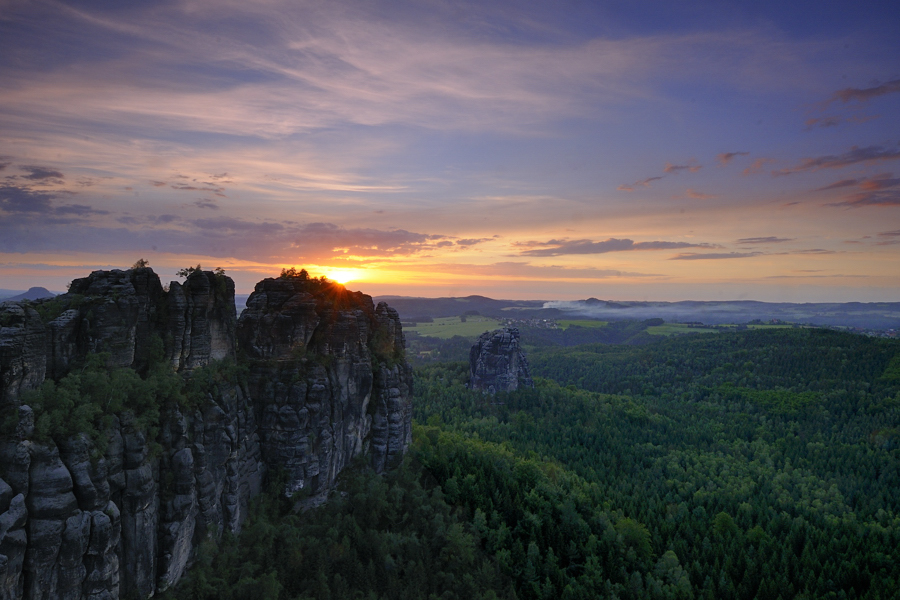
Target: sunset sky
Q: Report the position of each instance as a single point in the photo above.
(545, 150)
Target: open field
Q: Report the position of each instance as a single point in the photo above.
(565, 324)
(447, 327)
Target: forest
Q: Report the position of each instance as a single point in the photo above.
(759, 464)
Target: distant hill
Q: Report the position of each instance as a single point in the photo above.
(412, 309)
(868, 315)
(35, 293)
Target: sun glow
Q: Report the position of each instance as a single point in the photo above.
(343, 276)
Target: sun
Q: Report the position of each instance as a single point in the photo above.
(343, 276)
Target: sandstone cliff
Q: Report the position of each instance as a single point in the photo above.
(122, 513)
(497, 363)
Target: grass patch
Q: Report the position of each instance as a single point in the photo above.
(589, 324)
(447, 327)
(668, 329)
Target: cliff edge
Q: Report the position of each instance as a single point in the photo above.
(156, 413)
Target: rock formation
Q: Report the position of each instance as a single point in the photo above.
(326, 382)
(328, 377)
(497, 363)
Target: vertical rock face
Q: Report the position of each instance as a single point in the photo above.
(328, 378)
(497, 363)
(23, 350)
(123, 518)
(201, 320)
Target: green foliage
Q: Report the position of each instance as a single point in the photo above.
(892, 371)
(188, 271)
(87, 398)
(292, 273)
(380, 537)
(141, 263)
(52, 308)
(760, 464)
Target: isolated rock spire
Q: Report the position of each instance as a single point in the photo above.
(497, 363)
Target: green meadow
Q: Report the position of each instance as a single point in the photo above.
(447, 327)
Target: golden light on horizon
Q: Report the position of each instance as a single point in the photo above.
(344, 276)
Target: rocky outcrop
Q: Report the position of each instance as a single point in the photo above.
(497, 363)
(328, 379)
(23, 350)
(123, 515)
(125, 314)
(201, 320)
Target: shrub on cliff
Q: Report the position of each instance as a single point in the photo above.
(88, 398)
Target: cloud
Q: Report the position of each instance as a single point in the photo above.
(856, 155)
(514, 269)
(716, 256)
(838, 184)
(757, 165)
(204, 203)
(884, 198)
(699, 195)
(563, 247)
(726, 157)
(675, 169)
(19, 200)
(879, 190)
(80, 210)
(471, 241)
(225, 237)
(831, 121)
(895, 233)
(764, 240)
(40, 173)
(3, 165)
(16, 199)
(812, 251)
(864, 95)
(642, 183)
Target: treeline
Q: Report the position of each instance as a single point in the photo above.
(615, 332)
(423, 350)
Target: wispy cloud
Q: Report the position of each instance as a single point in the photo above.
(563, 247)
(838, 184)
(513, 269)
(856, 155)
(725, 158)
(830, 121)
(715, 256)
(699, 195)
(757, 165)
(691, 167)
(643, 183)
(41, 173)
(764, 240)
(879, 190)
(865, 94)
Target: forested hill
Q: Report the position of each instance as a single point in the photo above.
(755, 465)
(828, 363)
(759, 464)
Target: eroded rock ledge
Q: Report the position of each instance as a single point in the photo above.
(325, 381)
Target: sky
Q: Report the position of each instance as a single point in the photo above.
(623, 150)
